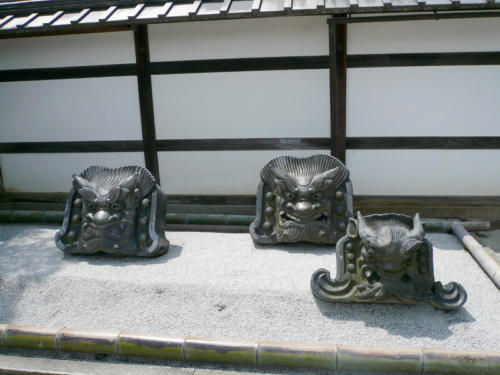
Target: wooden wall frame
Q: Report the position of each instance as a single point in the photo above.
(337, 36)
(143, 65)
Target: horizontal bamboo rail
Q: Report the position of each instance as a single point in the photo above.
(257, 353)
(27, 216)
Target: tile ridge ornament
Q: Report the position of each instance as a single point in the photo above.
(302, 199)
(386, 258)
(118, 211)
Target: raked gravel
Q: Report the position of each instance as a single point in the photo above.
(220, 285)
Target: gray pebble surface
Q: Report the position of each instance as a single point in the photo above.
(221, 285)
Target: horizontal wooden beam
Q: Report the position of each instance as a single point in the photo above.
(423, 59)
(253, 64)
(91, 71)
(417, 143)
(66, 30)
(246, 144)
(435, 15)
(240, 64)
(240, 144)
(70, 147)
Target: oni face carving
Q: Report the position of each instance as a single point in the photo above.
(385, 258)
(389, 245)
(109, 214)
(118, 211)
(308, 199)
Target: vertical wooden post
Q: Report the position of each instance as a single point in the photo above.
(2, 188)
(338, 69)
(146, 99)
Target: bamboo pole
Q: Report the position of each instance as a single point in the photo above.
(23, 216)
(257, 353)
(487, 263)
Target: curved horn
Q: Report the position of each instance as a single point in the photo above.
(80, 182)
(282, 179)
(130, 182)
(324, 180)
(363, 229)
(418, 229)
(361, 219)
(352, 229)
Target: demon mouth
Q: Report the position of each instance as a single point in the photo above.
(286, 218)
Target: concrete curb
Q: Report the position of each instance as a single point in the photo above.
(486, 262)
(331, 357)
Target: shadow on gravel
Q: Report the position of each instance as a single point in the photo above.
(103, 259)
(31, 255)
(299, 247)
(399, 319)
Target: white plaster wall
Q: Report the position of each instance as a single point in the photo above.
(217, 172)
(70, 110)
(425, 172)
(373, 172)
(465, 35)
(52, 172)
(67, 50)
(266, 37)
(420, 101)
(423, 101)
(292, 103)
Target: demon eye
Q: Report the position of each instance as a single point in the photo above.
(317, 196)
(116, 206)
(90, 206)
(289, 195)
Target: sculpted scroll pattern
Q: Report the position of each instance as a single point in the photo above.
(385, 258)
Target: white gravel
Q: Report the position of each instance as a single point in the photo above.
(220, 285)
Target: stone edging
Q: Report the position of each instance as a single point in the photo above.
(258, 353)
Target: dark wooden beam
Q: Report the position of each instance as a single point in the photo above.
(435, 15)
(63, 30)
(421, 143)
(146, 99)
(2, 187)
(338, 69)
(70, 147)
(254, 64)
(91, 71)
(245, 144)
(240, 64)
(423, 59)
(239, 144)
